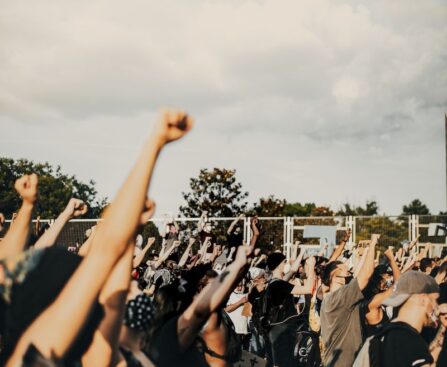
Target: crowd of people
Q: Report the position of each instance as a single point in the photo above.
(207, 300)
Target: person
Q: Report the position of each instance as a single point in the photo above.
(341, 330)
(281, 315)
(174, 341)
(93, 279)
(416, 294)
(426, 265)
(234, 308)
(372, 313)
(138, 316)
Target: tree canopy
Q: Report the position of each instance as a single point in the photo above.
(216, 191)
(55, 189)
(416, 207)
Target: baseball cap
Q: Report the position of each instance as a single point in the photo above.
(412, 282)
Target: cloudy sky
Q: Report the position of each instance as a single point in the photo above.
(312, 100)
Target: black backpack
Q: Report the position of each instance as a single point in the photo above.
(307, 349)
(263, 316)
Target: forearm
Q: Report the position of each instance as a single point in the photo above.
(234, 306)
(294, 268)
(17, 237)
(50, 236)
(184, 257)
(394, 268)
(122, 217)
(338, 251)
(140, 257)
(367, 268)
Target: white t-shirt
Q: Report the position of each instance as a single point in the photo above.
(240, 322)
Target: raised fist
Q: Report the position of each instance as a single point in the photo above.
(375, 238)
(173, 125)
(242, 255)
(26, 187)
(75, 208)
(148, 211)
(389, 253)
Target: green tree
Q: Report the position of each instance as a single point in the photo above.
(298, 209)
(392, 231)
(55, 189)
(216, 191)
(272, 230)
(371, 208)
(416, 207)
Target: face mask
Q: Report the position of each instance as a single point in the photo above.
(389, 283)
(348, 279)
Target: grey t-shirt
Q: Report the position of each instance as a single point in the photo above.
(340, 325)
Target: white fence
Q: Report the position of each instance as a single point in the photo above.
(281, 232)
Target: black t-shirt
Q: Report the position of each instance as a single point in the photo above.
(281, 301)
(404, 346)
(235, 239)
(165, 349)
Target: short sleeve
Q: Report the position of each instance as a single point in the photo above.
(348, 295)
(279, 290)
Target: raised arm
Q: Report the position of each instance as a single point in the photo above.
(230, 229)
(254, 232)
(390, 256)
(166, 254)
(295, 266)
(341, 246)
(209, 300)
(309, 283)
(202, 221)
(185, 255)
(368, 267)
(74, 209)
(17, 237)
(140, 257)
(63, 319)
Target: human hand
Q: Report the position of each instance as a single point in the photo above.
(173, 125)
(148, 211)
(389, 253)
(75, 208)
(150, 241)
(242, 256)
(374, 239)
(192, 240)
(27, 187)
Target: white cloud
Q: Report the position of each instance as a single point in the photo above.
(311, 100)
